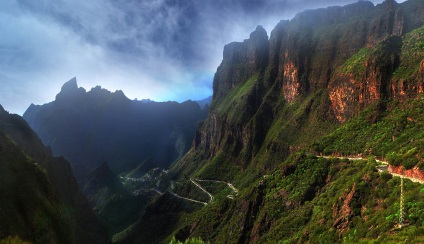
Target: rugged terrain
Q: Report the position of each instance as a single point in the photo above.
(341, 80)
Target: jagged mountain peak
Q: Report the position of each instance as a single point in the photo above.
(335, 49)
(70, 90)
(70, 85)
(120, 94)
(99, 91)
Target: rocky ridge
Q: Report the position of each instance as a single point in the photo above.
(348, 55)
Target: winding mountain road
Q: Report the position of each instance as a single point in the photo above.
(383, 167)
(235, 190)
(188, 199)
(203, 189)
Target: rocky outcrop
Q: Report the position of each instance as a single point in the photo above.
(243, 65)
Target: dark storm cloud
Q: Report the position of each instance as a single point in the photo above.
(184, 30)
(161, 49)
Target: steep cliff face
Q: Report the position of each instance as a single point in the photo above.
(390, 69)
(348, 55)
(238, 83)
(241, 61)
(364, 78)
(315, 43)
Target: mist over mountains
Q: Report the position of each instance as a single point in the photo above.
(91, 127)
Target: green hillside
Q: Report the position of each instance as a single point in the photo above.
(29, 207)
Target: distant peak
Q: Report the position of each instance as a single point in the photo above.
(146, 101)
(70, 85)
(119, 93)
(97, 88)
(69, 90)
(32, 106)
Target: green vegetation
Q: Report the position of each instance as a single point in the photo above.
(13, 240)
(29, 208)
(237, 99)
(219, 168)
(380, 55)
(188, 241)
(397, 134)
(412, 54)
(312, 199)
(356, 63)
(409, 50)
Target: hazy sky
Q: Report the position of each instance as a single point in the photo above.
(157, 49)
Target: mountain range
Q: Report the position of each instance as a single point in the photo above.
(88, 128)
(290, 149)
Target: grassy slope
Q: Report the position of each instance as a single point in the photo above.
(411, 55)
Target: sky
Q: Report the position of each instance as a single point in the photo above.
(164, 50)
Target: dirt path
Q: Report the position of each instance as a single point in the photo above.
(235, 190)
(188, 199)
(203, 189)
